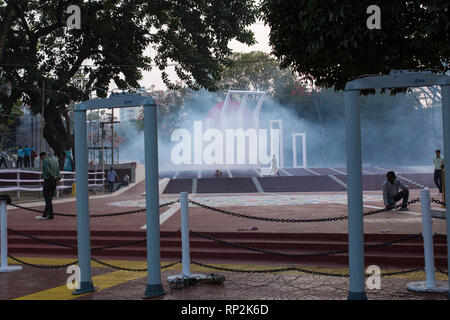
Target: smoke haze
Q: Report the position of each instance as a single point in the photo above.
(394, 130)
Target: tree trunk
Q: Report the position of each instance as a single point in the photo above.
(57, 136)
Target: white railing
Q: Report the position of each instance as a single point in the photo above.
(18, 188)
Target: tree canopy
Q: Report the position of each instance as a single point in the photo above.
(110, 46)
(328, 40)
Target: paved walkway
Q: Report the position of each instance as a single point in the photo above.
(23, 285)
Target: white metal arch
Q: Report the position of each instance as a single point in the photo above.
(120, 100)
(396, 79)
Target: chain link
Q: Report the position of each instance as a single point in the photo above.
(312, 272)
(438, 201)
(132, 269)
(315, 254)
(270, 270)
(442, 271)
(42, 266)
(340, 218)
(29, 236)
(102, 215)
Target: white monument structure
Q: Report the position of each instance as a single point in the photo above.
(235, 139)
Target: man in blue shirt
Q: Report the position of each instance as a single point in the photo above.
(20, 156)
(27, 158)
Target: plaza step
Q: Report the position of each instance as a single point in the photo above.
(407, 254)
(300, 184)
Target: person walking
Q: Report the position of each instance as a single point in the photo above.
(111, 176)
(51, 176)
(391, 194)
(3, 158)
(27, 155)
(20, 156)
(68, 161)
(438, 165)
(275, 170)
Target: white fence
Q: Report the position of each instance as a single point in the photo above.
(66, 176)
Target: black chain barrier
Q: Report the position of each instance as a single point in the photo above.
(315, 254)
(276, 270)
(102, 215)
(340, 218)
(312, 272)
(132, 269)
(442, 271)
(42, 266)
(29, 236)
(438, 201)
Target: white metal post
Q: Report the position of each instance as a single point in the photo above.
(18, 183)
(186, 254)
(186, 257)
(4, 237)
(154, 287)
(446, 135)
(354, 195)
(82, 204)
(427, 234)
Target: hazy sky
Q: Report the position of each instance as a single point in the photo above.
(261, 32)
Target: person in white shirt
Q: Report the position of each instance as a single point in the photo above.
(438, 165)
(275, 170)
(125, 180)
(391, 194)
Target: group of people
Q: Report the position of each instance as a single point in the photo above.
(391, 193)
(112, 176)
(25, 157)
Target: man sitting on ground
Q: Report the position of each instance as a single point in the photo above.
(125, 180)
(391, 194)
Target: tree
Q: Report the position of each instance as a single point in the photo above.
(110, 47)
(6, 23)
(256, 71)
(328, 40)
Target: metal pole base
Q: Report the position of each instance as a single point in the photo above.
(10, 268)
(357, 296)
(440, 287)
(85, 287)
(153, 290)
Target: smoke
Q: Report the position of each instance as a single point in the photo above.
(394, 130)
